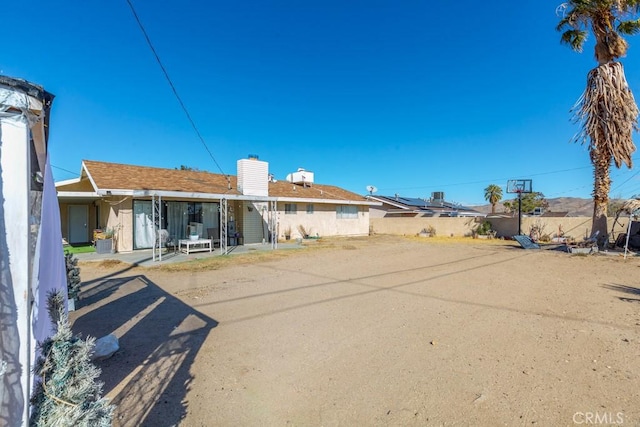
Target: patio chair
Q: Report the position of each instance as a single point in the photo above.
(214, 235)
(166, 241)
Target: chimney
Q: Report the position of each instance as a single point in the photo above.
(253, 176)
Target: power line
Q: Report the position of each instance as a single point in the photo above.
(66, 170)
(625, 181)
(488, 180)
(173, 88)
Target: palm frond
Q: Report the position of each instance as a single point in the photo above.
(607, 114)
(632, 6)
(629, 27)
(574, 38)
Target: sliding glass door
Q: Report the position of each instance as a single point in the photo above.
(176, 218)
(143, 234)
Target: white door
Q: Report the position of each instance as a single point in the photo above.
(78, 219)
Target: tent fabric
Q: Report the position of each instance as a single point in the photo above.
(49, 267)
(14, 267)
(24, 116)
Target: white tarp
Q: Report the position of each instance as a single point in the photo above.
(14, 269)
(23, 133)
(49, 264)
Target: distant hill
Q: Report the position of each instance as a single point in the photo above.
(574, 205)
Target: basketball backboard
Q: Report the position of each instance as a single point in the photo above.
(519, 186)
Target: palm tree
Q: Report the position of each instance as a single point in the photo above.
(606, 112)
(493, 194)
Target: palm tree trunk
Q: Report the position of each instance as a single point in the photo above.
(601, 160)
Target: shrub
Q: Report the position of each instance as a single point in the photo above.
(484, 228)
(73, 276)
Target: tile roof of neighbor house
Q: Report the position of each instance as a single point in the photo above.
(109, 176)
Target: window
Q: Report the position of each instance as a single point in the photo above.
(290, 209)
(347, 212)
(310, 208)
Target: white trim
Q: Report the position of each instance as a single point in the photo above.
(183, 195)
(216, 196)
(86, 170)
(68, 181)
(78, 194)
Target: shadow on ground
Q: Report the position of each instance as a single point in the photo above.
(625, 289)
(159, 336)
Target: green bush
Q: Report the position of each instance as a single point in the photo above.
(484, 228)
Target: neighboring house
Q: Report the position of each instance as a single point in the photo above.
(408, 207)
(135, 201)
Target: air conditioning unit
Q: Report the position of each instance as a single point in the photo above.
(301, 177)
(437, 196)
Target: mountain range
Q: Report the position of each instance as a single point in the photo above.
(574, 205)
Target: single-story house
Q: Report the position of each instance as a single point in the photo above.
(411, 207)
(134, 202)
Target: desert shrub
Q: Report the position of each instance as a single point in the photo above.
(484, 228)
(73, 276)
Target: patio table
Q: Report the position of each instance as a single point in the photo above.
(187, 245)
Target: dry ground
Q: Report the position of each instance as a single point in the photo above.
(372, 331)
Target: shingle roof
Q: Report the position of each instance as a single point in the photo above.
(130, 177)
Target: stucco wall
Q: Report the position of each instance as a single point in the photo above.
(412, 226)
(117, 214)
(83, 185)
(577, 227)
(323, 221)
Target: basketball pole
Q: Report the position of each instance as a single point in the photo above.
(519, 213)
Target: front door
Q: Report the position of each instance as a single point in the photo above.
(78, 219)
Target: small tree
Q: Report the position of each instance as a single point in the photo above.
(493, 194)
(66, 393)
(530, 201)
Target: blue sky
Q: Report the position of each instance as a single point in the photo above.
(412, 97)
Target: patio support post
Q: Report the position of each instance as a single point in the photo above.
(223, 226)
(273, 223)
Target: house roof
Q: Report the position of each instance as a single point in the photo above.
(120, 177)
(416, 204)
(116, 176)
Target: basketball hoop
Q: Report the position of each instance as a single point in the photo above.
(519, 187)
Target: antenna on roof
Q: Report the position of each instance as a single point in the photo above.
(371, 189)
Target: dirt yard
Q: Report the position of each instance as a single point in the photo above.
(372, 331)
